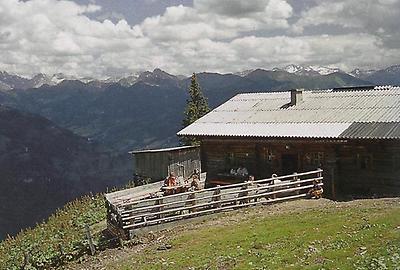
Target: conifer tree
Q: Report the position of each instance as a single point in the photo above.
(196, 107)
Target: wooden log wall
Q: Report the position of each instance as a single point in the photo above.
(355, 167)
(369, 167)
(262, 158)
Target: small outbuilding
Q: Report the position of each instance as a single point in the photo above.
(351, 133)
(158, 163)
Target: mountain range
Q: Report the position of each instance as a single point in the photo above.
(146, 111)
(389, 75)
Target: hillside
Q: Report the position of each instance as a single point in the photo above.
(301, 234)
(305, 234)
(43, 166)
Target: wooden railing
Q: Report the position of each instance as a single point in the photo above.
(158, 210)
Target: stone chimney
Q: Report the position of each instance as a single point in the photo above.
(296, 96)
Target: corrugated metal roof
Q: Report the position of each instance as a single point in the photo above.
(163, 149)
(307, 130)
(377, 130)
(321, 114)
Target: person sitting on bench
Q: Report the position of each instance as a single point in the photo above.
(170, 181)
(316, 191)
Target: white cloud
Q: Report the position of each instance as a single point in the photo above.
(377, 17)
(217, 19)
(58, 36)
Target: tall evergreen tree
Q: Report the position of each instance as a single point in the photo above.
(196, 107)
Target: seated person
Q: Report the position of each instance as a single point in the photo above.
(195, 184)
(170, 181)
(316, 191)
(251, 178)
(233, 171)
(195, 173)
(193, 181)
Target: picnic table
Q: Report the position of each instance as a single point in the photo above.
(223, 179)
(175, 189)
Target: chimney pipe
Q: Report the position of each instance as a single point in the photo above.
(296, 96)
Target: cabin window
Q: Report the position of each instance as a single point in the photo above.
(270, 156)
(235, 159)
(230, 161)
(364, 161)
(315, 159)
(318, 159)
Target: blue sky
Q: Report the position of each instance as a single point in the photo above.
(101, 38)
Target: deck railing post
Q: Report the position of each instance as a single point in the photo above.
(217, 197)
(90, 240)
(159, 209)
(192, 202)
(273, 183)
(295, 179)
(244, 193)
(319, 173)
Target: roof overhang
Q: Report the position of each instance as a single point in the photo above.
(171, 149)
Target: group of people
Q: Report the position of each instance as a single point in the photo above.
(193, 182)
(240, 171)
(172, 185)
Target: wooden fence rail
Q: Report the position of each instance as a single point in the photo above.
(146, 212)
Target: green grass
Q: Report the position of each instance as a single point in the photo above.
(360, 236)
(56, 241)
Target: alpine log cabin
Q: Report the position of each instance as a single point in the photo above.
(351, 133)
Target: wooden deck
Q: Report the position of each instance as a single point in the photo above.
(127, 211)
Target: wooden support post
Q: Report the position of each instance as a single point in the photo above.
(333, 183)
(244, 193)
(217, 197)
(273, 189)
(90, 240)
(159, 209)
(192, 197)
(319, 174)
(295, 179)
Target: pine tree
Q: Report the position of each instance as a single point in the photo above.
(196, 107)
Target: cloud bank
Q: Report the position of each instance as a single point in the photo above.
(53, 36)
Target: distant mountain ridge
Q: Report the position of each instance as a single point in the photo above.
(389, 75)
(148, 111)
(145, 110)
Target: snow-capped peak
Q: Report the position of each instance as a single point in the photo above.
(244, 73)
(393, 69)
(325, 70)
(308, 70)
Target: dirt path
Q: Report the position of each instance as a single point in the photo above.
(160, 239)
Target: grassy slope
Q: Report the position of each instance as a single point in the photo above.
(59, 240)
(356, 235)
(305, 234)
